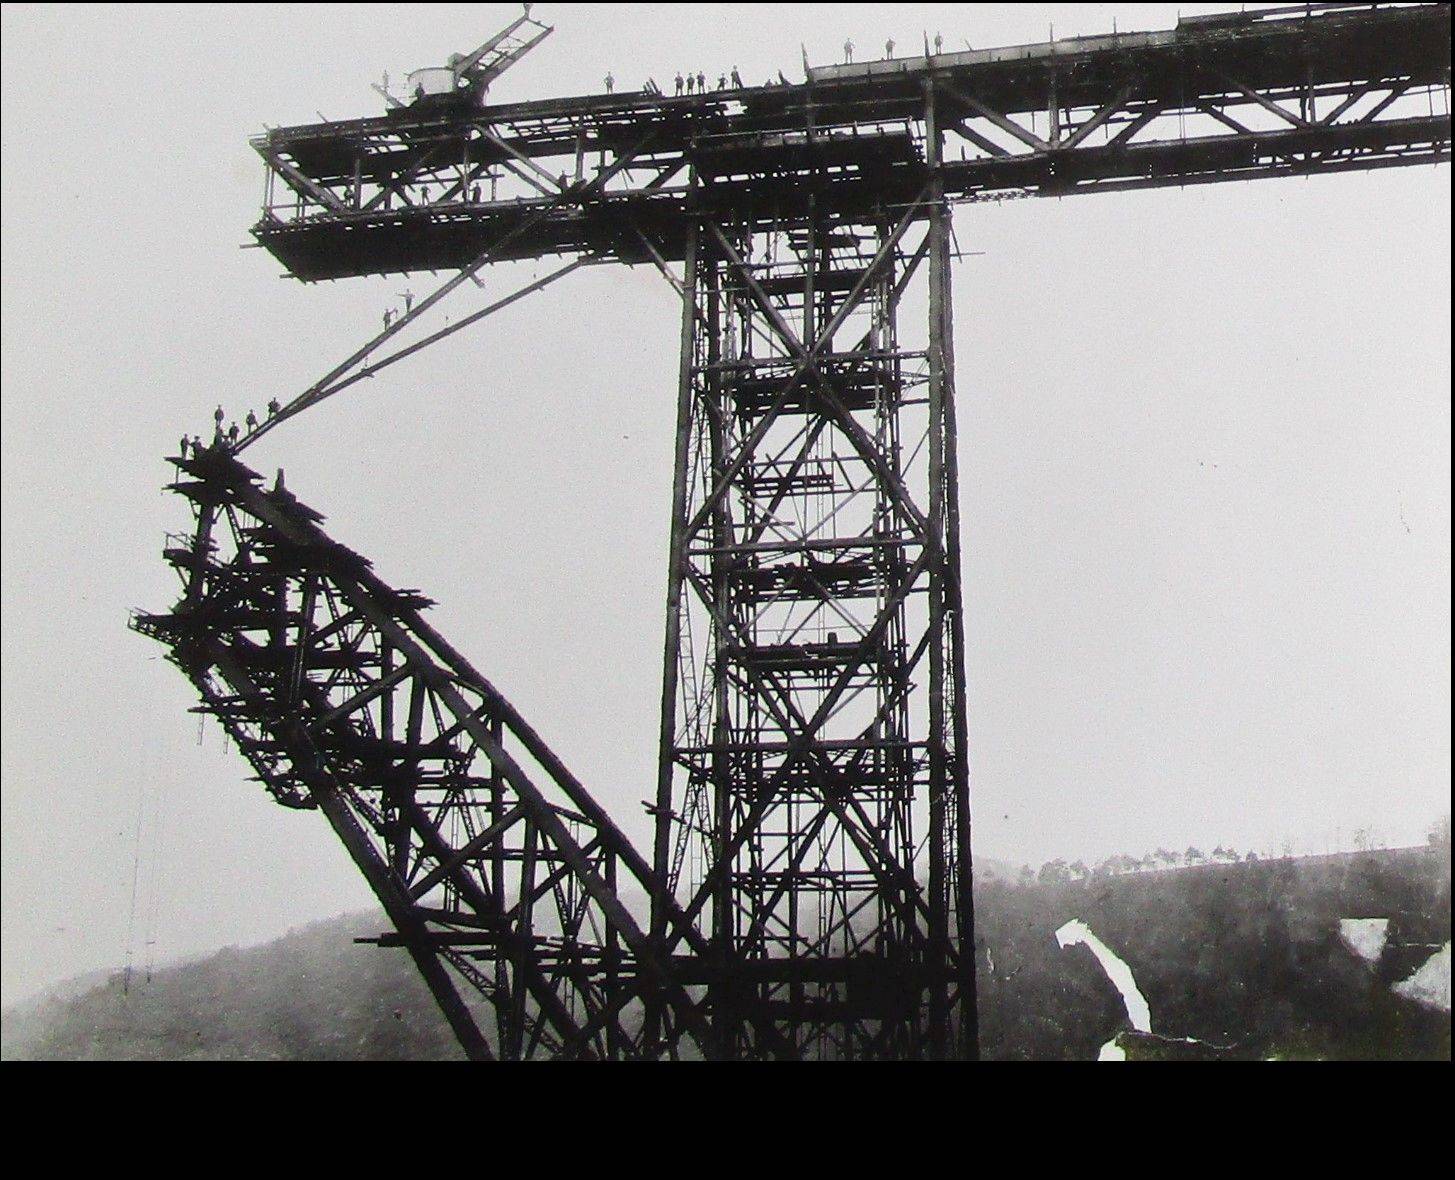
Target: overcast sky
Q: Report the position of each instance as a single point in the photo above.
(1205, 441)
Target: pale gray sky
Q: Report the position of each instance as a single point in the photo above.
(1206, 444)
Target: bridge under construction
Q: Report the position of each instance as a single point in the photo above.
(808, 889)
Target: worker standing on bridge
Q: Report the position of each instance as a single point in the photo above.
(737, 79)
(610, 82)
(679, 83)
(889, 47)
(939, 43)
(722, 81)
(701, 82)
(848, 51)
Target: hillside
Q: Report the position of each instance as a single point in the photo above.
(1246, 957)
(311, 995)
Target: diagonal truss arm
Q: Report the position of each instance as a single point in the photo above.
(337, 378)
(311, 662)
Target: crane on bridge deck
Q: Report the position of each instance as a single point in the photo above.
(465, 79)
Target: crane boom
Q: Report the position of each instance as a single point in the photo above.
(501, 52)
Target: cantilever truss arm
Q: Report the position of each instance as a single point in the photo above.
(343, 375)
(487, 854)
(1144, 129)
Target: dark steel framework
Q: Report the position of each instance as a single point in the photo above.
(501, 874)
(810, 884)
(812, 803)
(1309, 90)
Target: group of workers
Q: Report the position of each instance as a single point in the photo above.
(391, 314)
(689, 83)
(231, 434)
(698, 83)
(889, 47)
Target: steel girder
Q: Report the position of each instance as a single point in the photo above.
(1329, 89)
(502, 876)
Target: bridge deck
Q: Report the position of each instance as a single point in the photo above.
(1221, 98)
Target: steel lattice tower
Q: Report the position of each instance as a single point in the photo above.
(812, 802)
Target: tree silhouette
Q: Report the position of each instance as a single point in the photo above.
(1055, 872)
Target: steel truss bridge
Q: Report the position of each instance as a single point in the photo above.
(809, 887)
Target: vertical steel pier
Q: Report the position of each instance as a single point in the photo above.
(812, 811)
